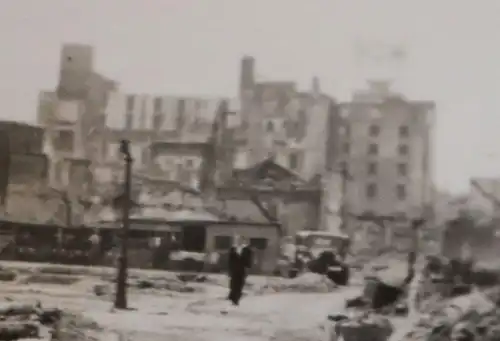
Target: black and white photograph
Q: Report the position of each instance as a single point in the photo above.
(249, 170)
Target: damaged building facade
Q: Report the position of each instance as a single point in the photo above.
(202, 143)
(300, 132)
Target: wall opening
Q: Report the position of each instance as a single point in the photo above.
(194, 238)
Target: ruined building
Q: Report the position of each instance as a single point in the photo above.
(387, 149)
(286, 145)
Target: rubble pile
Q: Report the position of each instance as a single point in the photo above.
(23, 320)
(74, 327)
(306, 283)
(359, 327)
(7, 275)
(443, 278)
(383, 298)
(472, 317)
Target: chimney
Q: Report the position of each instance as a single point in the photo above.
(247, 74)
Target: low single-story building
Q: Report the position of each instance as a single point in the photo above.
(208, 236)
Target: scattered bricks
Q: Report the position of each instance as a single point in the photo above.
(401, 309)
(50, 316)
(18, 330)
(51, 279)
(492, 334)
(486, 277)
(102, 290)
(145, 284)
(201, 279)
(187, 277)
(373, 328)
(22, 309)
(32, 321)
(7, 276)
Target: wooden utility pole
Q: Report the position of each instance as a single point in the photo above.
(125, 205)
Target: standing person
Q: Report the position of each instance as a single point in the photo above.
(240, 259)
(155, 243)
(95, 247)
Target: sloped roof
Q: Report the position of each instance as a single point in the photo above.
(268, 169)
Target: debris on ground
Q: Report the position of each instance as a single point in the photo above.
(146, 285)
(25, 320)
(76, 327)
(365, 326)
(51, 279)
(306, 283)
(386, 292)
(7, 275)
(468, 317)
(386, 299)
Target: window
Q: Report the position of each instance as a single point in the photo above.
(270, 127)
(372, 168)
(193, 238)
(189, 163)
(346, 148)
(371, 191)
(403, 169)
(373, 149)
(374, 130)
(65, 141)
(130, 102)
(222, 242)
(403, 149)
(293, 161)
(404, 131)
(157, 104)
(258, 243)
(401, 192)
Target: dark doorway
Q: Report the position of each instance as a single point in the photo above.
(194, 238)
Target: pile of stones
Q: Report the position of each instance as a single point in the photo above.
(360, 327)
(472, 317)
(21, 320)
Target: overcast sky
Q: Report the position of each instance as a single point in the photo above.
(194, 47)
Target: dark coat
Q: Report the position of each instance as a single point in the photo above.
(239, 263)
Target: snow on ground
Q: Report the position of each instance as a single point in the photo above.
(193, 317)
(167, 315)
(275, 316)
